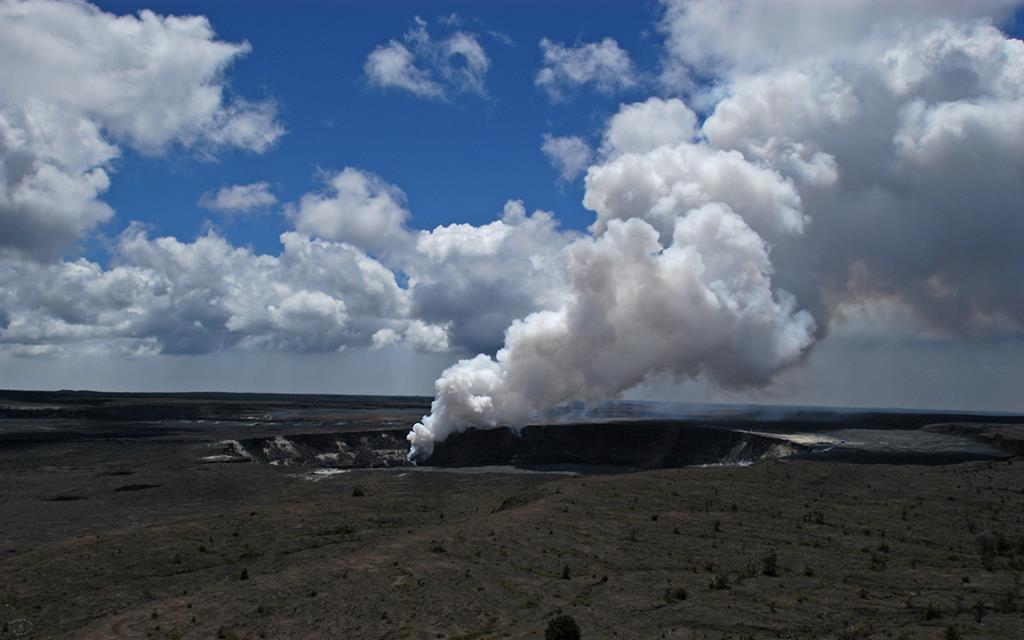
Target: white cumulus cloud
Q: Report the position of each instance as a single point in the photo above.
(477, 279)
(357, 207)
(239, 198)
(77, 83)
(429, 67)
(604, 65)
(569, 155)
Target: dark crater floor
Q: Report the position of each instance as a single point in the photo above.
(357, 432)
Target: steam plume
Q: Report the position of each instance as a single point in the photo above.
(869, 160)
(702, 305)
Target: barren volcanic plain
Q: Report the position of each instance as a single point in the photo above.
(240, 516)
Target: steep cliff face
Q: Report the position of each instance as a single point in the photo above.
(366, 450)
(627, 445)
(634, 444)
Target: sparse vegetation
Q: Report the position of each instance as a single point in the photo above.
(720, 582)
(770, 564)
(979, 611)
(675, 594)
(562, 627)
(814, 517)
(878, 562)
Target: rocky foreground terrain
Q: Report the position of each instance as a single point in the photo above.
(138, 537)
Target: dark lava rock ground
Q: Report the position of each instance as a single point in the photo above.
(135, 537)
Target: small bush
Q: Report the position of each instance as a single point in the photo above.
(1003, 545)
(854, 632)
(878, 562)
(770, 563)
(562, 627)
(677, 593)
(814, 517)
(952, 633)
(357, 492)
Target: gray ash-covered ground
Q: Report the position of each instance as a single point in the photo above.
(114, 527)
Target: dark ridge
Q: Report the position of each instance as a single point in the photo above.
(138, 487)
(86, 431)
(861, 456)
(198, 405)
(116, 406)
(1008, 437)
(63, 498)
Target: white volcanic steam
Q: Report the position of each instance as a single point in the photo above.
(875, 156)
(702, 305)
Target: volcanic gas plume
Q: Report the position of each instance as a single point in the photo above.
(822, 174)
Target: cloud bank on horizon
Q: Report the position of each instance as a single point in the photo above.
(789, 167)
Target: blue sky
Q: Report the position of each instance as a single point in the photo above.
(452, 159)
(770, 202)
